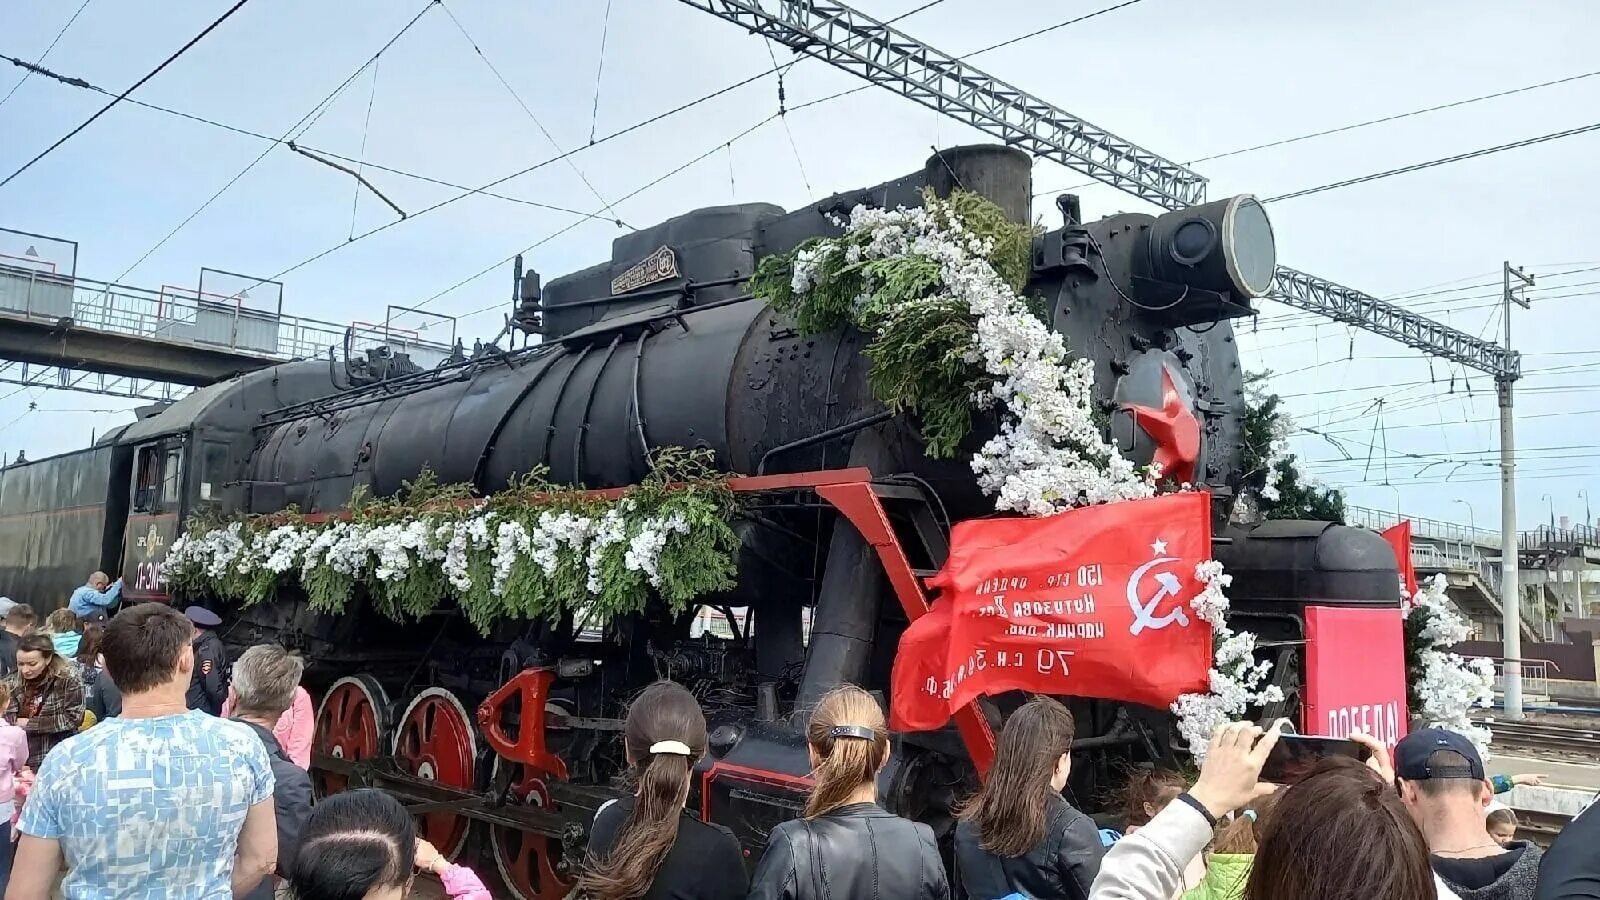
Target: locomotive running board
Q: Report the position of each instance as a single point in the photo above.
(854, 494)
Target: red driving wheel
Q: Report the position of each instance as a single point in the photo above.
(529, 864)
(435, 740)
(351, 723)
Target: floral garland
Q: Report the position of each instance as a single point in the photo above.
(532, 551)
(1443, 687)
(950, 333)
(1237, 681)
(937, 288)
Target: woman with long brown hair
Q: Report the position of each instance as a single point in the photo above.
(648, 846)
(46, 696)
(1018, 835)
(846, 845)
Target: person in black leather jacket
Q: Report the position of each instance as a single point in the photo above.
(846, 847)
(1017, 835)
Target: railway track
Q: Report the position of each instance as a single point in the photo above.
(1539, 827)
(1544, 736)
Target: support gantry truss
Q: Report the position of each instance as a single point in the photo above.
(859, 44)
(58, 378)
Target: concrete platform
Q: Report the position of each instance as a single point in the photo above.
(1558, 773)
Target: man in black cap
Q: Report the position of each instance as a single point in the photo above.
(209, 686)
(1443, 785)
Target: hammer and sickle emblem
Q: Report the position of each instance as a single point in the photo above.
(1167, 586)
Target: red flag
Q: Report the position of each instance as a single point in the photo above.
(1399, 537)
(1092, 602)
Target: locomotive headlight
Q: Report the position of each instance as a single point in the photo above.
(1224, 246)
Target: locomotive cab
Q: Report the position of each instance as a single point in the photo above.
(186, 459)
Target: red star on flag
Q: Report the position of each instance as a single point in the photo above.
(1175, 430)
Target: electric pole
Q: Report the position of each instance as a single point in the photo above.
(1510, 598)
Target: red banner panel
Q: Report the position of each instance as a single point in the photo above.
(1092, 602)
(1355, 673)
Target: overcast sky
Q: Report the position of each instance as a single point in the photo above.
(1186, 78)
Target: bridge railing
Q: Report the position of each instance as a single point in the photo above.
(179, 315)
(1536, 675)
(1422, 526)
(1565, 540)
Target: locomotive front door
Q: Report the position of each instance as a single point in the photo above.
(152, 519)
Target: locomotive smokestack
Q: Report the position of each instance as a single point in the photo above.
(1002, 174)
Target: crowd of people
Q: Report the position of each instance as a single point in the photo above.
(164, 796)
(134, 762)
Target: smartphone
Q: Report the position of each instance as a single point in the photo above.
(1295, 754)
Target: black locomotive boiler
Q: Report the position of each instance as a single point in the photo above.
(662, 345)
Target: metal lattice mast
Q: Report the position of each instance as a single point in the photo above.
(866, 47)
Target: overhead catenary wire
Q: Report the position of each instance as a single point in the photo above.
(501, 180)
(794, 146)
(1355, 126)
(599, 71)
(320, 151)
(776, 70)
(366, 126)
(913, 11)
(1429, 164)
(555, 234)
(978, 52)
(485, 189)
(564, 155)
(131, 88)
(299, 127)
(29, 72)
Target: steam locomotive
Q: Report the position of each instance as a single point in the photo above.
(506, 745)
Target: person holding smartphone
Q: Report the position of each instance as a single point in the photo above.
(1340, 832)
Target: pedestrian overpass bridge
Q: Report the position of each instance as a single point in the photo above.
(59, 330)
(1554, 565)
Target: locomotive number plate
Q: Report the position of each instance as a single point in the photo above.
(659, 266)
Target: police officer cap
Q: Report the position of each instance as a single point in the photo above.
(203, 617)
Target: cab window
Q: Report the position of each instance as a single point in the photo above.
(145, 483)
(171, 479)
(158, 478)
(213, 471)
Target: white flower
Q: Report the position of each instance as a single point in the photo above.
(610, 530)
(1447, 686)
(510, 542)
(644, 549)
(1237, 681)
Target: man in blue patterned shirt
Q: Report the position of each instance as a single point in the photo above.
(161, 801)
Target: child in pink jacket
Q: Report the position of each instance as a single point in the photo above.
(460, 882)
